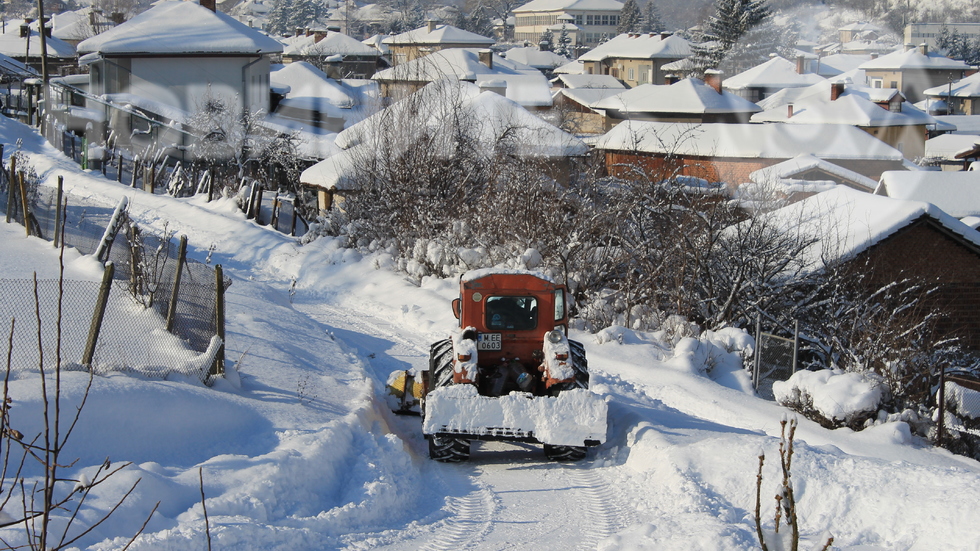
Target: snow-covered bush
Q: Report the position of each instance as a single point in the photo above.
(832, 397)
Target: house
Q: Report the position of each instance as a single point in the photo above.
(434, 37)
(578, 107)
(729, 153)
(832, 65)
(952, 152)
(607, 82)
(176, 53)
(892, 240)
(767, 78)
(912, 71)
(956, 193)
(690, 100)
(961, 97)
(805, 175)
(883, 113)
(334, 53)
(19, 39)
(595, 19)
(438, 110)
(636, 58)
(521, 83)
(313, 98)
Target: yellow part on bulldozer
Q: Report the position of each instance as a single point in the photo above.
(403, 392)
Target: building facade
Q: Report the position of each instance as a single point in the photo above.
(589, 21)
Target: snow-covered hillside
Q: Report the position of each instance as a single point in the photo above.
(298, 451)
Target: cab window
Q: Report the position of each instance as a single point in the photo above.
(520, 313)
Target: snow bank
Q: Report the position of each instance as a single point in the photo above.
(838, 396)
(567, 420)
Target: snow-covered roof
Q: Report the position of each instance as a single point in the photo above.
(525, 85)
(775, 73)
(765, 141)
(589, 97)
(489, 115)
(848, 222)
(533, 57)
(554, 5)
(965, 124)
(947, 146)
(332, 43)
(913, 59)
(10, 66)
(313, 143)
(181, 28)
(377, 42)
(640, 46)
(835, 64)
(821, 91)
(850, 109)
(442, 34)
(956, 193)
(968, 87)
(591, 81)
(572, 68)
(305, 80)
(803, 162)
(12, 45)
(686, 96)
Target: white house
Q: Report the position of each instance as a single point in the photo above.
(176, 53)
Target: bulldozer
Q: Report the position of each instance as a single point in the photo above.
(507, 372)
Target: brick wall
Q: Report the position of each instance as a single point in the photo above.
(923, 250)
(732, 171)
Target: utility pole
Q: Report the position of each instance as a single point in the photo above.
(41, 23)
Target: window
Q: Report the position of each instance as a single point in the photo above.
(518, 313)
(578, 19)
(559, 305)
(631, 74)
(589, 19)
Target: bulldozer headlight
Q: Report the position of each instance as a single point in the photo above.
(555, 336)
(463, 357)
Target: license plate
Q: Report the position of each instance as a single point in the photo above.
(488, 341)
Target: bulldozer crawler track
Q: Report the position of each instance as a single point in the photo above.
(471, 522)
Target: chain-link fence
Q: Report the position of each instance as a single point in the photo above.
(163, 310)
(775, 360)
(959, 413)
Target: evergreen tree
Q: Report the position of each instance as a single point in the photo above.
(731, 22)
(547, 42)
(279, 17)
(943, 39)
(651, 19)
(630, 18)
(564, 41)
(304, 13)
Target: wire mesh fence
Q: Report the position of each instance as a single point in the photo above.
(960, 415)
(775, 360)
(156, 321)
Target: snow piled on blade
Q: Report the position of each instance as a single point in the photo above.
(569, 419)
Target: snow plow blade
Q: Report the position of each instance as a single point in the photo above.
(573, 418)
(404, 391)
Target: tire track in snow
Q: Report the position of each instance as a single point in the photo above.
(603, 509)
(470, 523)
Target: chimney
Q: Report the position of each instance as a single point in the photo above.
(210, 4)
(299, 32)
(909, 47)
(498, 87)
(670, 79)
(486, 57)
(800, 64)
(319, 35)
(432, 23)
(665, 35)
(836, 89)
(924, 49)
(712, 77)
(308, 31)
(789, 110)
(334, 28)
(874, 55)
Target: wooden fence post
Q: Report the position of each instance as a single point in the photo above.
(218, 367)
(942, 406)
(172, 307)
(758, 352)
(98, 315)
(23, 200)
(57, 214)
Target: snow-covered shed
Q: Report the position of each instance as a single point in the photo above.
(806, 175)
(913, 71)
(690, 100)
(492, 121)
(521, 83)
(176, 53)
(636, 58)
(956, 193)
(729, 153)
(892, 240)
(767, 78)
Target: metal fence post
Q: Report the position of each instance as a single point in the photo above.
(98, 315)
(11, 183)
(218, 367)
(57, 214)
(21, 177)
(796, 343)
(172, 307)
(942, 406)
(758, 352)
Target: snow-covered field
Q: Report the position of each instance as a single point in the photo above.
(298, 450)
